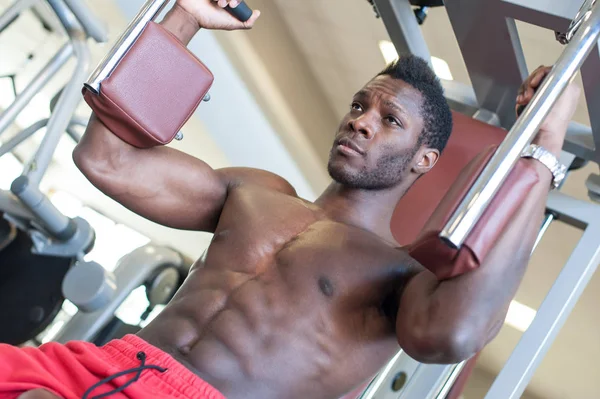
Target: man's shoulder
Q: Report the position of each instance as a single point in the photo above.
(239, 177)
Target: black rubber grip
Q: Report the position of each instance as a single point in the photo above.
(241, 12)
(520, 109)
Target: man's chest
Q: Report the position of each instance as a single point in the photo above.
(265, 232)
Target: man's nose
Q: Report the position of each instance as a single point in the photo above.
(364, 124)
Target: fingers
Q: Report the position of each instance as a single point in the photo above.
(528, 88)
(250, 22)
(539, 76)
(238, 24)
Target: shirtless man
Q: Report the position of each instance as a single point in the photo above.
(295, 299)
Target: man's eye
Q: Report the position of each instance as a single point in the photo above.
(393, 120)
(356, 107)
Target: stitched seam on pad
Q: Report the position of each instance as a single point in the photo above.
(134, 121)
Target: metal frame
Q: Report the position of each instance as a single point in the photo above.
(133, 270)
(13, 11)
(497, 170)
(27, 206)
(31, 211)
(150, 10)
(422, 381)
(496, 72)
(428, 381)
(560, 300)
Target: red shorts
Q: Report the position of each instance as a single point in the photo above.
(72, 369)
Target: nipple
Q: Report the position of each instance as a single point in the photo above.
(326, 286)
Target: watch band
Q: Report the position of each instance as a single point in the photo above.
(558, 170)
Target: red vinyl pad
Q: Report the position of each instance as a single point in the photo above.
(469, 138)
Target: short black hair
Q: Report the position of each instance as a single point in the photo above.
(435, 110)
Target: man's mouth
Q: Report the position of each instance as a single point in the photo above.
(349, 147)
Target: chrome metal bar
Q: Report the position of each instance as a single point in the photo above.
(15, 9)
(522, 133)
(586, 7)
(148, 12)
(93, 26)
(53, 66)
(69, 99)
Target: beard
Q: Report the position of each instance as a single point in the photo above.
(388, 172)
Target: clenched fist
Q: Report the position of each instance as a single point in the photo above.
(554, 128)
(210, 14)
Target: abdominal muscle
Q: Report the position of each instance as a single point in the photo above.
(258, 340)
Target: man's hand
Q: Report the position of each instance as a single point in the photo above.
(210, 14)
(554, 128)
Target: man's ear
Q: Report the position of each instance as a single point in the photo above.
(426, 159)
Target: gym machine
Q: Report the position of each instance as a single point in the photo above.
(577, 27)
(41, 250)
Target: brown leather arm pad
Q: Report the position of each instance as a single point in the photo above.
(153, 91)
(446, 262)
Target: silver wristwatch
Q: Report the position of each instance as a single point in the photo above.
(558, 170)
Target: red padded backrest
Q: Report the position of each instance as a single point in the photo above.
(469, 137)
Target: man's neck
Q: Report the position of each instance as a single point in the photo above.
(367, 209)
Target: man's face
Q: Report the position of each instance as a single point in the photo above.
(376, 143)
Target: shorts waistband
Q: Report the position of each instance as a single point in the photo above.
(177, 377)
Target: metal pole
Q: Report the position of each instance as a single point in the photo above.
(401, 23)
(560, 301)
(29, 131)
(90, 23)
(35, 86)
(22, 136)
(524, 130)
(69, 99)
(13, 11)
(148, 12)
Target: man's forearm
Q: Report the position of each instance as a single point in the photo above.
(462, 314)
(181, 24)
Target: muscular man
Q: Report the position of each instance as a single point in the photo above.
(295, 299)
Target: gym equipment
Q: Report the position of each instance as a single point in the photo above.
(241, 12)
(133, 62)
(429, 250)
(27, 312)
(422, 6)
(492, 99)
(47, 243)
(140, 121)
(140, 267)
(41, 250)
(161, 270)
(476, 201)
